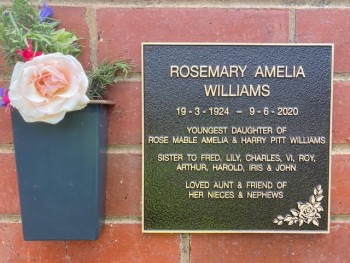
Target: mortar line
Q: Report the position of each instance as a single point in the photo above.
(341, 77)
(291, 21)
(185, 238)
(337, 149)
(5, 76)
(91, 19)
(10, 219)
(340, 218)
(125, 149)
(185, 248)
(109, 219)
(123, 220)
(200, 4)
(7, 148)
(113, 149)
(340, 149)
(279, 4)
(133, 77)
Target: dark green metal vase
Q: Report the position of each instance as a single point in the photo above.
(61, 172)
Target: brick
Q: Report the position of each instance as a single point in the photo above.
(6, 70)
(117, 244)
(340, 199)
(124, 119)
(73, 20)
(2, 60)
(326, 26)
(14, 250)
(126, 243)
(273, 247)
(122, 36)
(5, 126)
(8, 187)
(341, 110)
(123, 195)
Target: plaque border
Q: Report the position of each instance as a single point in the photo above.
(327, 231)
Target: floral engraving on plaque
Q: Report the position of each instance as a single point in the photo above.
(308, 212)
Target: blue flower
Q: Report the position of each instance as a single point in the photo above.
(4, 98)
(45, 12)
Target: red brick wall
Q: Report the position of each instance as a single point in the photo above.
(115, 30)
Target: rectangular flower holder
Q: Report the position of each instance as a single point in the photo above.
(61, 172)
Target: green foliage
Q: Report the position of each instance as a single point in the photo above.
(64, 42)
(105, 75)
(21, 22)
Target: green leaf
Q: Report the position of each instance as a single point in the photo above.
(105, 75)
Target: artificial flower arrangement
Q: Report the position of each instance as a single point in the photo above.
(48, 80)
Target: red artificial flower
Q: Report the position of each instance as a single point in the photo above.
(28, 53)
(6, 99)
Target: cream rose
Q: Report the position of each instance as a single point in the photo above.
(47, 87)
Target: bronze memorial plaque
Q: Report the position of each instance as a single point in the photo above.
(236, 137)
